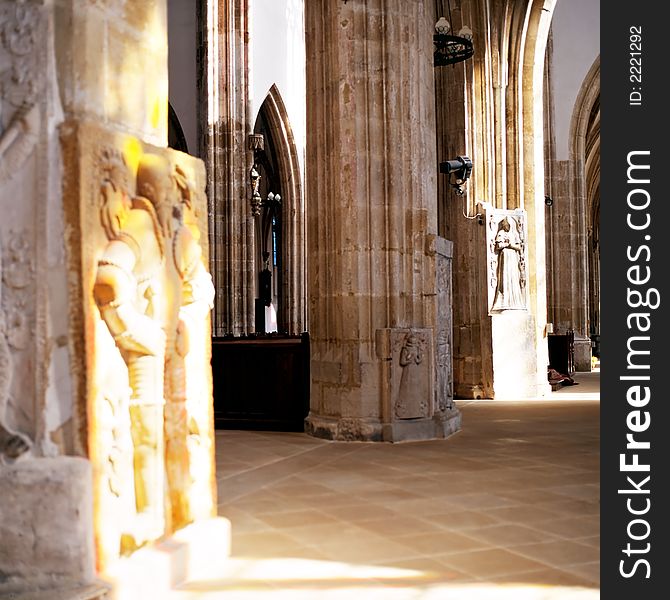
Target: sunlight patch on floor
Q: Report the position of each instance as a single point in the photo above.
(297, 579)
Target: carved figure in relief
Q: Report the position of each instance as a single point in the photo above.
(129, 291)
(408, 405)
(509, 293)
(154, 293)
(443, 367)
(191, 300)
(17, 140)
(13, 444)
(20, 84)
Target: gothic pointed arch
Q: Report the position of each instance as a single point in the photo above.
(282, 151)
(585, 159)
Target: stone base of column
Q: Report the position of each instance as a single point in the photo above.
(95, 591)
(344, 429)
(517, 375)
(439, 427)
(372, 430)
(46, 526)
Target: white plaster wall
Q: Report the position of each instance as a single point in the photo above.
(277, 56)
(576, 44)
(183, 85)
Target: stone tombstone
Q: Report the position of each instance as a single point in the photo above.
(140, 306)
(411, 374)
(408, 396)
(506, 257)
(444, 334)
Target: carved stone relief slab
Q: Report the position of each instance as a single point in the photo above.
(137, 231)
(507, 257)
(411, 359)
(14, 335)
(23, 51)
(444, 333)
(22, 79)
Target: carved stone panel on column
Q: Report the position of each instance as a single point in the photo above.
(507, 259)
(444, 346)
(140, 302)
(411, 374)
(409, 410)
(23, 49)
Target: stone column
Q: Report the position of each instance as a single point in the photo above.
(372, 221)
(46, 501)
(225, 69)
(103, 247)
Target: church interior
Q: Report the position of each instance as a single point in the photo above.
(299, 299)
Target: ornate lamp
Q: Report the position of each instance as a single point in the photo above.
(449, 48)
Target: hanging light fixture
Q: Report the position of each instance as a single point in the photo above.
(449, 48)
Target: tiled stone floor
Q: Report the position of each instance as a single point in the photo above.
(507, 508)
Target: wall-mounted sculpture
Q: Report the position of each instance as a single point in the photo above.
(21, 82)
(412, 400)
(13, 443)
(129, 292)
(506, 253)
(410, 356)
(141, 301)
(153, 294)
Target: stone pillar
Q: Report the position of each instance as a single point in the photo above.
(462, 120)
(46, 524)
(512, 324)
(372, 221)
(102, 282)
(225, 69)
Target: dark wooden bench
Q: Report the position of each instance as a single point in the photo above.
(261, 382)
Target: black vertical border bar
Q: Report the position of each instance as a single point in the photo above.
(634, 123)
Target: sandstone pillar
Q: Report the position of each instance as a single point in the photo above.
(46, 508)
(225, 73)
(103, 247)
(372, 223)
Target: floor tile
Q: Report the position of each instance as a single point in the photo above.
(511, 500)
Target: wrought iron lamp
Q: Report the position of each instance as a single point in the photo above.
(451, 48)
